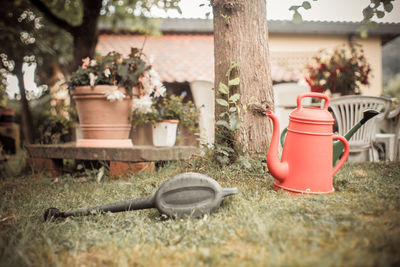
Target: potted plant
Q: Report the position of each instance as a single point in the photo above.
(103, 89)
(164, 114)
(342, 71)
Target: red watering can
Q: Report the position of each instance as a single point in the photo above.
(306, 164)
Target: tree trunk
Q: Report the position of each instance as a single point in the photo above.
(86, 35)
(26, 116)
(241, 35)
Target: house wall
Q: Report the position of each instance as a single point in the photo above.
(294, 51)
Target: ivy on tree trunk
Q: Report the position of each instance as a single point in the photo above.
(241, 35)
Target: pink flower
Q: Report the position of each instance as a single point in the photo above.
(85, 63)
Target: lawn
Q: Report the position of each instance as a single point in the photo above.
(358, 225)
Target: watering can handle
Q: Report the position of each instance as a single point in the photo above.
(316, 95)
(345, 153)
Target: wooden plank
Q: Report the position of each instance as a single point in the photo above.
(134, 154)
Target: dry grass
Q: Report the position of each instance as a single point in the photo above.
(358, 225)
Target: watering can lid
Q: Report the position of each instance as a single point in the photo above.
(312, 115)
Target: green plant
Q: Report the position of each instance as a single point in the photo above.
(57, 127)
(341, 71)
(226, 150)
(3, 87)
(167, 108)
(115, 69)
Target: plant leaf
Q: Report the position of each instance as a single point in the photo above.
(235, 81)
(388, 7)
(223, 114)
(222, 102)
(223, 123)
(223, 88)
(234, 123)
(234, 98)
(380, 14)
(368, 13)
(306, 5)
(232, 109)
(232, 66)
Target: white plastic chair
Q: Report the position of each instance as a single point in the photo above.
(348, 111)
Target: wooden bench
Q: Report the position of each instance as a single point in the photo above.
(121, 160)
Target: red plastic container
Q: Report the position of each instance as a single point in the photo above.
(306, 164)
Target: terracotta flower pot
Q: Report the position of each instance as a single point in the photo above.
(103, 123)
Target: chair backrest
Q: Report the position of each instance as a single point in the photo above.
(348, 111)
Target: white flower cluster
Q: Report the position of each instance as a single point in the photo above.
(9, 64)
(143, 104)
(30, 16)
(27, 38)
(114, 94)
(153, 88)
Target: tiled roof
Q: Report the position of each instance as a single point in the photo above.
(178, 57)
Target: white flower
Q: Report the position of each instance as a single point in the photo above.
(159, 90)
(92, 78)
(114, 94)
(107, 72)
(93, 62)
(152, 84)
(143, 104)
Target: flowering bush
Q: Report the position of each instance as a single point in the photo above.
(341, 71)
(114, 69)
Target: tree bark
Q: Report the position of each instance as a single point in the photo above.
(241, 35)
(86, 35)
(26, 116)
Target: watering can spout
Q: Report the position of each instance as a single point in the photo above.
(278, 169)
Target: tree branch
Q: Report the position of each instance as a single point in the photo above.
(51, 17)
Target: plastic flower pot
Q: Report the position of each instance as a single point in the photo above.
(164, 133)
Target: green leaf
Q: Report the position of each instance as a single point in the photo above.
(294, 8)
(231, 67)
(223, 123)
(223, 88)
(368, 13)
(232, 109)
(222, 114)
(297, 18)
(234, 124)
(223, 160)
(222, 102)
(234, 98)
(388, 7)
(380, 14)
(235, 81)
(306, 5)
